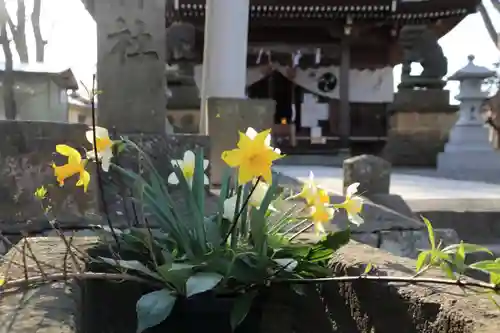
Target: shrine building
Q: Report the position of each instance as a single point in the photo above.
(327, 64)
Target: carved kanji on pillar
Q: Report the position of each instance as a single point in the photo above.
(132, 44)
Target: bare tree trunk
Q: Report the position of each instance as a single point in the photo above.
(496, 4)
(9, 98)
(488, 24)
(19, 31)
(35, 21)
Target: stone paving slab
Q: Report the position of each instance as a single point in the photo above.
(48, 308)
(409, 184)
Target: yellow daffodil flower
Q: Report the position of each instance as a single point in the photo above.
(312, 192)
(74, 166)
(187, 165)
(352, 204)
(253, 157)
(103, 146)
(320, 214)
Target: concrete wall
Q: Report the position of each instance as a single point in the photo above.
(77, 113)
(38, 98)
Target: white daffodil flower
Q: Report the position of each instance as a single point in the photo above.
(229, 208)
(352, 204)
(252, 133)
(258, 194)
(187, 165)
(103, 146)
(255, 200)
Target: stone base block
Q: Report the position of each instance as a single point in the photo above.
(469, 161)
(422, 98)
(416, 148)
(418, 132)
(227, 116)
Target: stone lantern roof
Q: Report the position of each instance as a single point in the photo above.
(472, 71)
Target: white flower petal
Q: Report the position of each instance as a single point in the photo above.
(89, 135)
(105, 157)
(189, 157)
(355, 219)
(267, 141)
(259, 194)
(288, 263)
(229, 207)
(101, 132)
(311, 177)
(206, 181)
(251, 133)
(179, 163)
(205, 164)
(172, 179)
(351, 190)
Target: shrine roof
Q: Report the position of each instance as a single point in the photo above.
(328, 9)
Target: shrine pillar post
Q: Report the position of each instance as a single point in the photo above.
(225, 52)
(345, 106)
(131, 65)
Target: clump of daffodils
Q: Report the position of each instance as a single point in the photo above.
(76, 164)
(248, 240)
(253, 160)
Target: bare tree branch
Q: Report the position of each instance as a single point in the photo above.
(19, 31)
(35, 22)
(488, 23)
(9, 100)
(496, 4)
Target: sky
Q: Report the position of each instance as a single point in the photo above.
(71, 35)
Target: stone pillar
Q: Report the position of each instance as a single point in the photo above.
(345, 106)
(225, 52)
(468, 148)
(131, 65)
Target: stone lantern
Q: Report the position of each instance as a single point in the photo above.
(468, 147)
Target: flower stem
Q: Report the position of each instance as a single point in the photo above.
(245, 203)
(98, 164)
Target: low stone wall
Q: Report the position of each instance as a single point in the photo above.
(26, 154)
(360, 306)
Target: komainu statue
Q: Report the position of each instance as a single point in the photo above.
(180, 45)
(420, 44)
